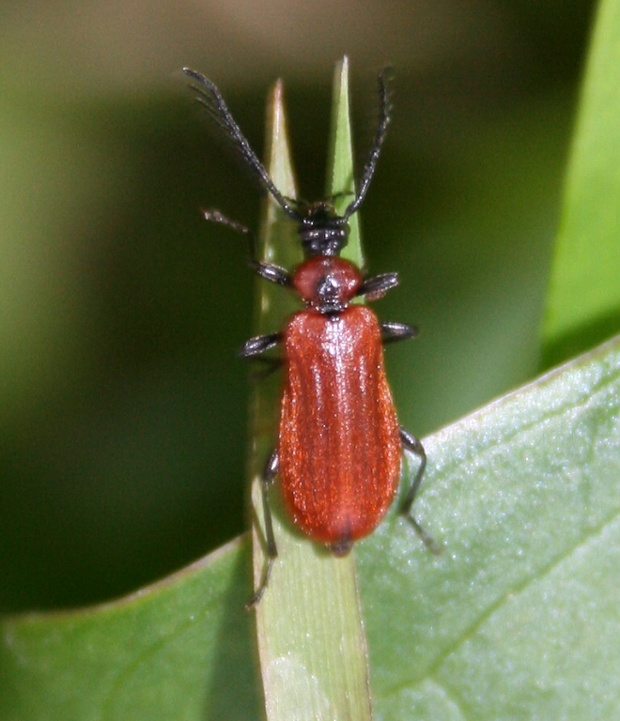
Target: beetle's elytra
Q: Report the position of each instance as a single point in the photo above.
(339, 450)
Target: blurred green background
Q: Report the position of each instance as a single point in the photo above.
(123, 406)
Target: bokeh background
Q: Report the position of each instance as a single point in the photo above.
(122, 404)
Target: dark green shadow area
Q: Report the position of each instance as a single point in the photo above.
(580, 339)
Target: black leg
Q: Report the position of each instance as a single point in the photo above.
(377, 286)
(393, 332)
(215, 216)
(272, 272)
(259, 344)
(268, 271)
(413, 446)
(271, 470)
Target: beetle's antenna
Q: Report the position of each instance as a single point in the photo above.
(210, 97)
(371, 164)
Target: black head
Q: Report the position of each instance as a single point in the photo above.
(321, 230)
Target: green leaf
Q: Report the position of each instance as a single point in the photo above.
(517, 618)
(173, 651)
(340, 170)
(309, 617)
(584, 299)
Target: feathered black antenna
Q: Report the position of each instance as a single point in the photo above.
(211, 98)
(385, 108)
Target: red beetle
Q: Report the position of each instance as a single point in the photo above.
(340, 446)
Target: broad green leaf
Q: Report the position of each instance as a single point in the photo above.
(178, 650)
(516, 619)
(584, 299)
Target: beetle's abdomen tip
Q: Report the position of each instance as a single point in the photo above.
(342, 547)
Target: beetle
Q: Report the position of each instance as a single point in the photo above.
(340, 446)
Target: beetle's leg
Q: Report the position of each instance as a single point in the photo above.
(259, 344)
(377, 286)
(272, 272)
(392, 332)
(413, 446)
(268, 271)
(270, 472)
(215, 216)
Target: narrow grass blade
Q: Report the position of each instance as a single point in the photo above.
(340, 170)
(311, 642)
